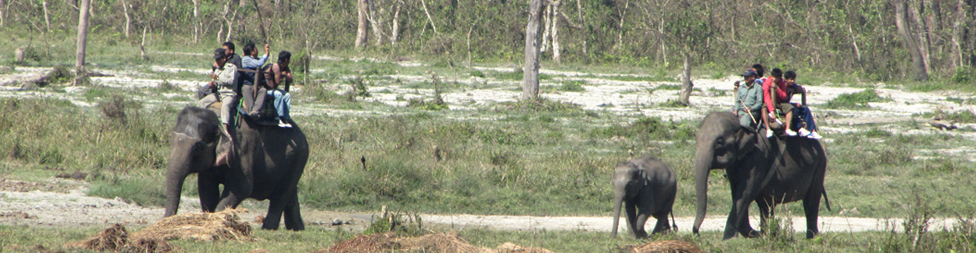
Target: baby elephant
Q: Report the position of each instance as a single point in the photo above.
(646, 184)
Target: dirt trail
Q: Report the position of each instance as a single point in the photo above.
(75, 209)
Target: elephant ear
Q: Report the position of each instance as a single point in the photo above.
(746, 138)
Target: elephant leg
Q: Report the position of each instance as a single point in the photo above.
(209, 190)
(811, 206)
(275, 209)
(662, 223)
(232, 197)
(632, 219)
(743, 194)
(293, 214)
(641, 220)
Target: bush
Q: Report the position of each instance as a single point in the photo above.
(576, 86)
(964, 74)
(855, 100)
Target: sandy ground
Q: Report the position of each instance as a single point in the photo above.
(29, 206)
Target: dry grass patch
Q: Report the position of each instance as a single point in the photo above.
(224, 225)
(439, 242)
(669, 246)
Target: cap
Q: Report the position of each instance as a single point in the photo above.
(219, 53)
(749, 72)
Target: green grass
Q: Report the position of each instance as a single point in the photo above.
(855, 100)
(534, 158)
(573, 86)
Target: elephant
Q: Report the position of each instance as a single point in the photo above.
(646, 184)
(265, 163)
(759, 169)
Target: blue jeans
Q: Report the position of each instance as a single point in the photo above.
(282, 102)
(803, 113)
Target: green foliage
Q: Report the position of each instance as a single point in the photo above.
(573, 86)
(58, 75)
(477, 73)
(964, 74)
(855, 100)
(647, 128)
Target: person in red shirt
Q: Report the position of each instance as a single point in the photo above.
(776, 97)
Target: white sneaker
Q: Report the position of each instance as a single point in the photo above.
(769, 134)
(283, 124)
(803, 132)
(789, 132)
(815, 136)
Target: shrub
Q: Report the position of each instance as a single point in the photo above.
(576, 86)
(855, 100)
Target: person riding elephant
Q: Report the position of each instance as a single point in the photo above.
(748, 100)
(265, 163)
(759, 170)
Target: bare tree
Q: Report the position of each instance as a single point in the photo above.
(530, 77)
(555, 31)
(128, 20)
(375, 21)
(901, 21)
(196, 21)
(47, 16)
(686, 84)
(361, 30)
(80, 73)
(395, 27)
(579, 12)
(2, 5)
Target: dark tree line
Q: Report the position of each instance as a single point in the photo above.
(879, 40)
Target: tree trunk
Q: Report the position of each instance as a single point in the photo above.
(142, 46)
(547, 23)
(429, 18)
(196, 21)
(530, 77)
(555, 31)
(2, 5)
(230, 22)
(901, 21)
(923, 36)
(620, 34)
(957, 34)
(80, 73)
(376, 21)
(128, 20)
(395, 27)
(686, 84)
(361, 30)
(47, 16)
(579, 11)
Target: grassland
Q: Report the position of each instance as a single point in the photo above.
(518, 158)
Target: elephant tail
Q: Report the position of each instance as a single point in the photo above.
(826, 200)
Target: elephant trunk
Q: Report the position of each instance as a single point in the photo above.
(180, 163)
(703, 164)
(618, 200)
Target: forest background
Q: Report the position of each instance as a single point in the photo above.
(868, 40)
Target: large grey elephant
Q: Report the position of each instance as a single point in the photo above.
(645, 187)
(759, 169)
(266, 163)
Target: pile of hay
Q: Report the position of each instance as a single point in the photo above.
(440, 242)
(223, 225)
(668, 246)
(115, 238)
